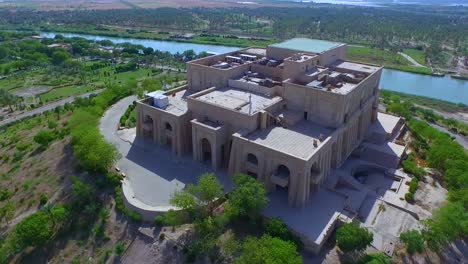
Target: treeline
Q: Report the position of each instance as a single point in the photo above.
(89, 147)
(381, 27)
(441, 152)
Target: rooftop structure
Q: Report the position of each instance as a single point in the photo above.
(239, 100)
(307, 45)
(300, 140)
(288, 115)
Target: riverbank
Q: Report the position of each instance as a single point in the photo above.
(390, 59)
(432, 103)
(221, 40)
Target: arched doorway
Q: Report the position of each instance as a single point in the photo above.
(148, 126)
(168, 126)
(283, 171)
(206, 150)
(334, 161)
(252, 159)
(282, 175)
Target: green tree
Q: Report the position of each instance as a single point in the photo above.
(413, 240)
(350, 237)
(60, 56)
(7, 212)
(269, 250)
(247, 198)
(200, 195)
(207, 189)
(448, 223)
(8, 99)
(35, 230)
(43, 138)
(82, 192)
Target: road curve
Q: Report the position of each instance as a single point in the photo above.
(413, 61)
(46, 107)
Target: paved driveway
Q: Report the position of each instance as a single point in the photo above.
(153, 172)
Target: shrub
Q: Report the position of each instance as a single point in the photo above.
(43, 199)
(277, 228)
(43, 138)
(159, 220)
(413, 240)
(375, 258)
(409, 196)
(119, 248)
(351, 237)
(413, 185)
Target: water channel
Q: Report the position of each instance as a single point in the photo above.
(444, 88)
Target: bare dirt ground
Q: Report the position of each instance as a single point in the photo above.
(121, 4)
(149, 247)
(32, 91)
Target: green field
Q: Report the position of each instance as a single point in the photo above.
(417, 55)
(65, 92)
(390, 59)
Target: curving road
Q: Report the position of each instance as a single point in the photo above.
(413, 61)
(46, 107)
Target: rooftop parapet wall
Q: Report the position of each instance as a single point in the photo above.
(255, 88)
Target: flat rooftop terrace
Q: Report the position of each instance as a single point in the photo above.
(385, 123)
(296, 140)
(177, 102)
(239, 100)
(307, 45)
(354, 66)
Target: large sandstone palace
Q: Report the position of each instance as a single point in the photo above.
(288, 115)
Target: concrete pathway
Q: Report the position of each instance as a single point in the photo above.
(153, 172)
(46, 107)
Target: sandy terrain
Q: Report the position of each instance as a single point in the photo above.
(123, 4)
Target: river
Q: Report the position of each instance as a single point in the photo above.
(443, 88)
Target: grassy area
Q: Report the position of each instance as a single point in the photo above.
(417, 55)
(435, 104)
(65, 92)
(390, 59)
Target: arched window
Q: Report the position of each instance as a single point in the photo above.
(314, 170)
(283, 171)
(206, 149)
(252, 159)
(168, 126)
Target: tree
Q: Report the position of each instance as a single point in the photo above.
(350, 237)
(207, 189)
(43, 138)
(277, 228)
(247, 198)
(8, 99)
(200, 195)
(82, 192)
(34, 230)
(7, 212)
(268, 249)
(448, 223)
(60, 56)
(413, 240)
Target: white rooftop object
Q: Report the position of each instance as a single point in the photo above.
(160, 100)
